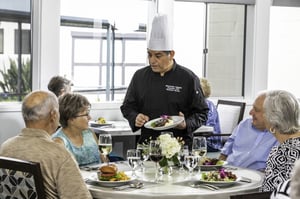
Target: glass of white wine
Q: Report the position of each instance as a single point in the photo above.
(199, 148)
(105, 145)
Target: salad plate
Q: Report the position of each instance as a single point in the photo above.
(220, 178)
(176, 120)
(220, 183)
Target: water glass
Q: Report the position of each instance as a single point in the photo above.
(144, 149)
(184, 151)
(134, 160)
(190, 161)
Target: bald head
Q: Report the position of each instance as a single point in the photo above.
(38, 105)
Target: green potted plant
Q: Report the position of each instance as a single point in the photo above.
(9, 83)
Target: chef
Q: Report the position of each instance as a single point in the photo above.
(164, 88)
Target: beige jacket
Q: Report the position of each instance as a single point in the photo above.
(62, 177)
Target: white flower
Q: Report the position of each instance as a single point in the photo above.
(169, 145)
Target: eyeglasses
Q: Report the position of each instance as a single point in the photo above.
(84, 115)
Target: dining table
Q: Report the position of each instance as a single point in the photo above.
(177, 184)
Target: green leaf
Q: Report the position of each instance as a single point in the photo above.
(163, 162)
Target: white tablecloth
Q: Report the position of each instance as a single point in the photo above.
(174, 186)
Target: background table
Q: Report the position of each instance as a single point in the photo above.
(175, 186)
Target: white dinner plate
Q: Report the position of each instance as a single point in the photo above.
(96, 124)
(176, 120)
(220, 183)
(93, 180)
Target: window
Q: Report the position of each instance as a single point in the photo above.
(212, 46)
(104, 46)
(224, 65)
(1, 41)
(15, 62)
(26, 41)
(104, 76)
(284, 49)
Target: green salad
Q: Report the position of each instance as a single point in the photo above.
(221, 175)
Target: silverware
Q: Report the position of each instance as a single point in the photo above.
(244, 179)
(230, 168)
(89, 168)
(207, 186)
(136, 185)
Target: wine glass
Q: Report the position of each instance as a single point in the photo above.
(144, 149)
(199, 148)
(182, 153)
(134, 159)
(105, 145)
(155, 155)
(190, 161)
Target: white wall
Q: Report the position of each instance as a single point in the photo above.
(45, 56)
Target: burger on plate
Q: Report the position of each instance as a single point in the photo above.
(107, 172)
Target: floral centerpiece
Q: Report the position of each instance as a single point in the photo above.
(170, 147)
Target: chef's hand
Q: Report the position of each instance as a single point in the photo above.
(182, 125)
(141, 119)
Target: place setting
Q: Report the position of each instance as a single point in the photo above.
(145, 168)
(116, 175)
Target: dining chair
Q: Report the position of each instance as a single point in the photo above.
(255, 195)
(21, 179)
(230, 114)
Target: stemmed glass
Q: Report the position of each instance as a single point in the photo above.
(155, 155)
(134, 159)
(182, 153)
(105, 145)
(199, 148)
(191, 162)
(144, 149)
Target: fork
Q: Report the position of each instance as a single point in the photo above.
(207, 186)
(136, 185)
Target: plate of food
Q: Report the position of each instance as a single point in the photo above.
(208, 164)
(220, 178)
(164, 122)
(109, 176)
(99, 122)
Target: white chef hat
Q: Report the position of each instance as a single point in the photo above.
(161, 36)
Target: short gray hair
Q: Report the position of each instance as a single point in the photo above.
(282, 111)
(38, 104)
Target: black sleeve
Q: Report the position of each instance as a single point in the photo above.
(129, 108)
